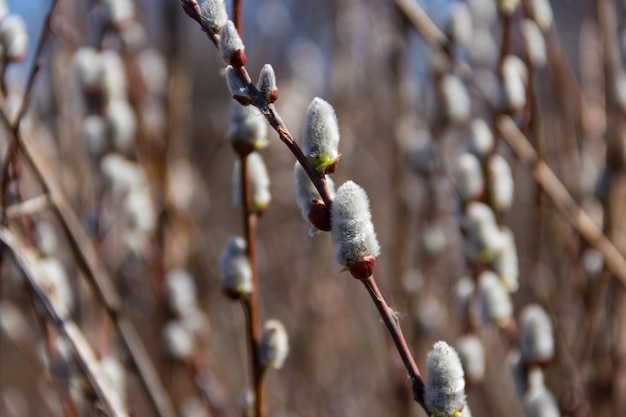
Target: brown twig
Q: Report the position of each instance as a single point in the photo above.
(561, 198)
(250, 303)
(393, 326)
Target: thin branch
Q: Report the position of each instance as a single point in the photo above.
(393, 327)
(27, 262)
(562, 199)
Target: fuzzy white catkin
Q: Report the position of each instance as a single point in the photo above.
(483, 236)
(444, 391)
(94, 134)
(139, 208)
(246, 125)
(480, 139)
(122, 174)
(507, 7)
(274, 346)
(179, 340)
(352, 230)
(181, 290)
(234, 268)
(539, 402)
(472, 355)
(113, 76)
(230, 41)
(536, 335)
(456, 99)
(514, 79)
(483, 49)
(119, 11)
(535, 43)
(469, 177)
(500, 183)
(505, 262)
(320, 134)
(267, 83)
(121, 125)
(87, 67)
(493, 300)
(236, 87)
(463, 290)
(306, 193)
(541, 12)
(259, 182)
(213, 14)
(13, 37)
(592, 262)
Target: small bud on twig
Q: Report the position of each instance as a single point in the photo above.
(231, 46)
(237, 87)
(274, 346)
(13, 37)
(536, 336)
(247, 130)
(353, 234)
(267, 83)
(472, 355)
(320, 136)
(259, 181)
(309, 200)
(493, 300)
(469, 177)
(234, 269)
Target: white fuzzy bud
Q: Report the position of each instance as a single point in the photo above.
(494, 302)
(46, 237)
(434, 240)
(539, 402)
(320, 136)
(536, 335)
(484, 12)
(535, 43)
(259, 182)
(514, 80)
(472, 355)
(14, 37)
(460, 25)
(213, 14)
(139, 208)
(122, 174)
(234, 269)
(444, 392)
(94, 134)
(246, 127)
(238, 89)
(463, 291)
(480, 139)
(88, 68)
(114, 375)
(483, 49)
(592, 262)
(119, 11)
(306, 193)
(231, 46)
(352, 229)
(541, 12)
(274, 346)
(501, 183)
(121, 125)
(113, 76)
(267, 83)
(179, 340)
(458, 105)
(483, 236)
(181, 290)
(469, 177)
(505, 262)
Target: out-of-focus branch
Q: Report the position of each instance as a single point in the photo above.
(561, 198)
(26, 260)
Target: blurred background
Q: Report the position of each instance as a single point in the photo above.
(401, 138)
